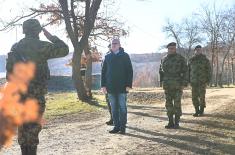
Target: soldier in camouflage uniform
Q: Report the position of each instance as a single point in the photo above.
(110, 122)
(32, 49)
(200, 74)
(174, 77)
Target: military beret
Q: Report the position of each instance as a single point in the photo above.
(198, 46)
(171, 44)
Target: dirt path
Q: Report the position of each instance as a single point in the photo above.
(212, 134)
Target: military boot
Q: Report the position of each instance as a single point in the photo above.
(201, 112)
(32, 150)
(177, 120)
(170, 125)
(196, 112)
(24, 150)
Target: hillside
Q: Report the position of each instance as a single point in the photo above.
(145, 66)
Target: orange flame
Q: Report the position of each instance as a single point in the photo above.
(13, 111)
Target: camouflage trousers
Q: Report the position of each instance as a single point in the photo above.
(173, 101)
(28, 132)
(198, 95)
(109, 105)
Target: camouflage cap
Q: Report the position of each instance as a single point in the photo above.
(31, 26)
(171, 44)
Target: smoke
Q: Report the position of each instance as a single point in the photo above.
(13, 111)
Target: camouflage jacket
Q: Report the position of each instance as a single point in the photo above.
(199, 69)
(173, 71)
(37, 51)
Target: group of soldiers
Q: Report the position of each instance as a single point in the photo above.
(176, 74)
(174, 70)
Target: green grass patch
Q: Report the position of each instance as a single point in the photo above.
(100, 99)
(229, 86)
(59, 104)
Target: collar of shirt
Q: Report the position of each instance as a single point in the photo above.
(116, 52)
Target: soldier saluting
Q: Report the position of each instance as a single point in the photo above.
(200, 75)
(31, 48)
(174, 77)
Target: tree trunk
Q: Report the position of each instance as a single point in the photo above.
(90, 17)
(189, 52)
(220, 82)
(228, 70)
(233, 75)
(222, 68)
(88, 77)
(212, 67)
(77, 78)
(217, 68)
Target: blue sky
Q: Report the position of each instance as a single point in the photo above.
(145, 20)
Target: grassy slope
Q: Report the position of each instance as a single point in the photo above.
(59, 104)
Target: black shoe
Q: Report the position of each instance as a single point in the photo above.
(114, 131)
(24, 150)
(177, 126)
(110, 122)
(123, 131)
(32, 150)
(201, 112)
(171, 123)
(196, 112)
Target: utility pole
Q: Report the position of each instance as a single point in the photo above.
(16, 31)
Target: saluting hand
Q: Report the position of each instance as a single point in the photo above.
(46, 33)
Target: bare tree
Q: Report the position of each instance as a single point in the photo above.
(173, 30)
(227, 35)
(211, 23)
(186, 34)
(64, 10)
(213, 27)
(76, 17)
(191, 35)
(105, 27)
